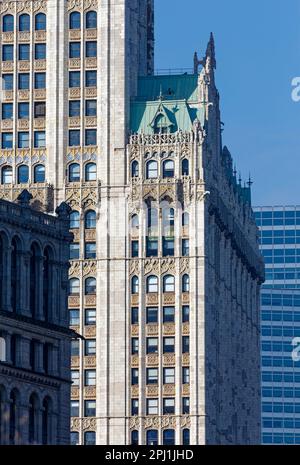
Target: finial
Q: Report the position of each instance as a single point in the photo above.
(63, 211)
(234, 171)
(24, 198)
(250, 182)
(210, 51)
(240, 178)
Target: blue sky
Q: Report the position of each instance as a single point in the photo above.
(258, 55)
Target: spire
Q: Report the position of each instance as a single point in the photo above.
(210, 51)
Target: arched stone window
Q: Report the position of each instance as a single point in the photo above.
(74, 172)
(74, 220)
(40, 22)
(39, 174)
(24, 23)
(8, 23)
(3, 357)
(6, 175)
(14, 274)
(47, 283)
(134, 222)
(90, 286)
(168, 169)
(90, 172)
(46, 421)
(35, 257)
(152, 169)
(75, 20)
(90, 219)
(91, 20)
(74, 286)
(185, 167)
(185, 283)
(23, 174)
(134, 169)
(152, 284)
(134, 285)
(169, 283)
(33, 418)
(13, 416)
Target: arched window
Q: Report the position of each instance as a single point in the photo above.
(185, 283)
(2, 349)
(91, 20)
(186, 437)
(90, 172)
(24, 23)
(152, 437)
(23, 174)
(6, 175)
(134, 169)
(46, 421)
(74, 219)
(135, 285)
(75, 20)
(32, 419)
(134, 438)
(169, 437)
(169, 283)
(90, 220)
(90, 286)
(134, 222)
(39, 173)
(40, 22)
(151, 169)
(185, 167)
(168, 169)
(8, 23)
(152, 284)
(14, 274)
(161, 125)
(185, 219)
(74, 172)
(13, 416)
(74, 286)
(34, 276)
(47, 282)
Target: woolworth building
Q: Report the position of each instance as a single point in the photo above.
(165, 269)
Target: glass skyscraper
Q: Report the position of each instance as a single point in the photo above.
(279, 237)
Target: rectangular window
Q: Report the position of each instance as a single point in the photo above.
(151, 247)
(91, 49)
(40, 52)
(152, 375)
(90, 377)
(90, 347)
(23, 81)
(168, 247)
(134, 249)
(134, 315)
(185, 375)
(74, 408)
(134, 345)
(7, 81)
(24, 52)
(169, 406)
(39, 139)
(74, 251)
(23, 140)
(91, 79)
(90, 250)
(152, 345)
(134, 407)
(74, 138)
(134, 376)
(74, 317)
(152, 406)
(91, 108)
(169, 314)
(7, 53)
(90, 316)
(169, 345)
(7, 110)
(169, 375)
(185, 314)
(185, 247)
(91, 137)
(39, 109)
(74, 50)
(185, 405)
(74, 79)
(152, 315)
(7, 140)
(75, 348)
(74, 108)
(40, 80)
(185, 344)
(23, 110)
(89, 408)
(75, 377)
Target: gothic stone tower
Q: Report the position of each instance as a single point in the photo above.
(165, 270)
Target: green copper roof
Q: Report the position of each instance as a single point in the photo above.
(174, 99)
